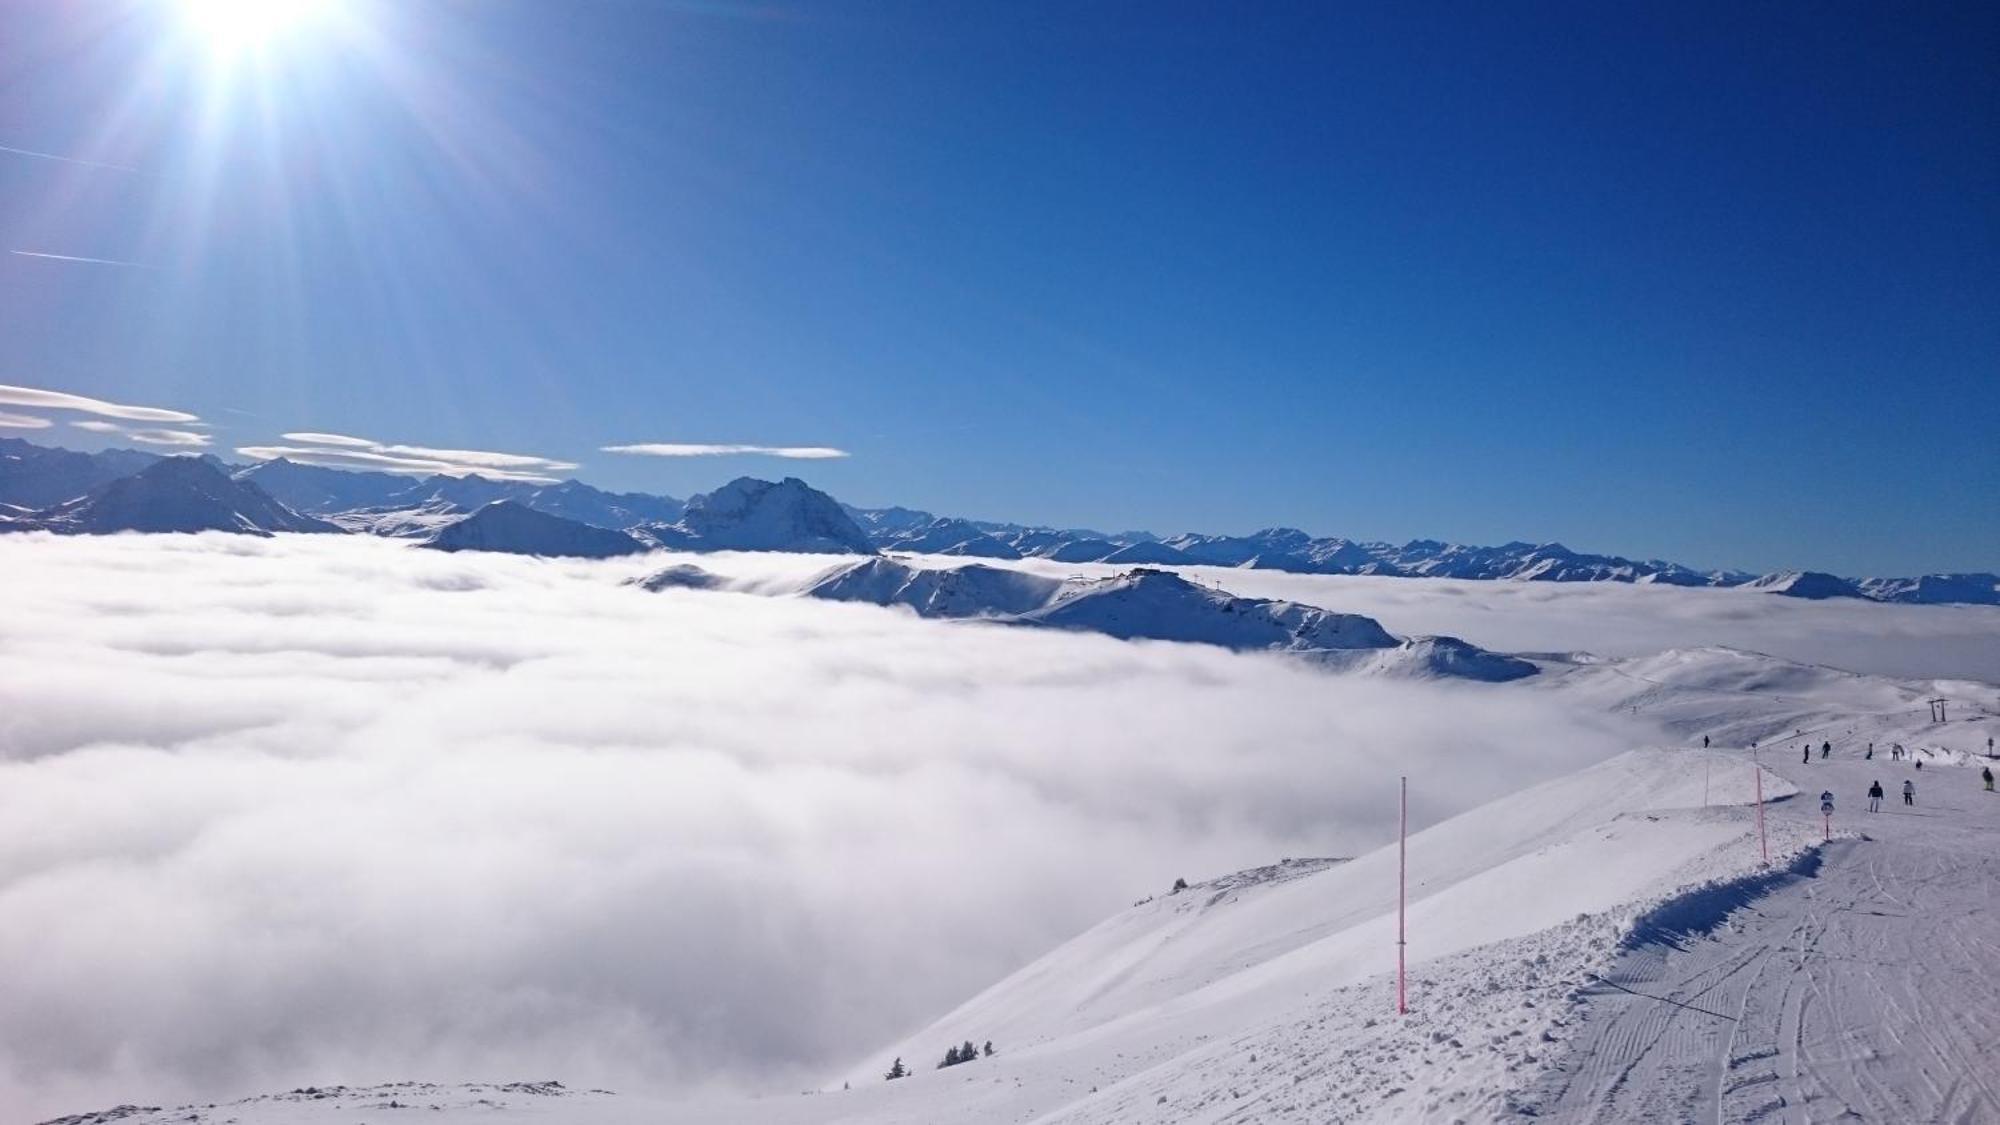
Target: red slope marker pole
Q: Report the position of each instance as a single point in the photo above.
(1402, 893)
(1763, 845)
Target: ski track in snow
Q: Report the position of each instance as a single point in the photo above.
(1862, 990)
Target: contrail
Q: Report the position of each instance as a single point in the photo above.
(66, 159)
(74, 258)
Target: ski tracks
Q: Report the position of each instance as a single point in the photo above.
(1863, 991)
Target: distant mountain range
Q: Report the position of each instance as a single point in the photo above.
(69, 492)
(1140, 604)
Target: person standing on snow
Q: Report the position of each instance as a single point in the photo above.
(1704, 742)
(1807, 760)
(1825, 748)
(1875, 797)
(1870, 756)
(1986, 775)
(1909, 792)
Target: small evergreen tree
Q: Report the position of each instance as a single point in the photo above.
(967, 1052)
(1179, 885)
(989, 1048)
(950, 1059)
(897, 1070)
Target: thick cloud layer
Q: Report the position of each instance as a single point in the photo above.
(317, 810)
(1623, 619)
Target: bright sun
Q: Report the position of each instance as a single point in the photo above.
(232, 27)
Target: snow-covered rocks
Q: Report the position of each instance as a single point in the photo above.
(757, 515)
(971, 591)
(948, 537)
(174, 494)
(1806, 584)
(514, 528)
(1161, 605)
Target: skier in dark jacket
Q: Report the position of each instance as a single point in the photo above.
(1825, 748)
(1986, 775)
(1909, 792)
(1807, 760)
(1875, 797)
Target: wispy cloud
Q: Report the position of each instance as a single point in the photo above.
(24, 421)
(678, 449)
(67, 159)
(344, 451)
(146, 435)
(80, 258)
(62, 400)
(312, 438)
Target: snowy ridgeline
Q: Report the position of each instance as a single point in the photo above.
(1141, 604)
(76, 493)
(1579, 951)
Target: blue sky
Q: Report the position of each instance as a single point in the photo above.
(1718, 284)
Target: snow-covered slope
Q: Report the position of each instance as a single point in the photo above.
(318, 490)
(1806, 584)
(419, 522)
(515, 528)
(960, 592)
(1151, 604)
(1935, 589)
(35, 476)
(1160, 605)
(757, 515)
(174, 494)
(947, 537)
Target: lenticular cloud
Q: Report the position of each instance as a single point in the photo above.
(299, 811)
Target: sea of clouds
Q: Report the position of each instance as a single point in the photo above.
(318, 810)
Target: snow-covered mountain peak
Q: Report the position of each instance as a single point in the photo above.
(174, 494)
(748, 514)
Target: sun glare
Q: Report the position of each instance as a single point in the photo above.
(234, 27)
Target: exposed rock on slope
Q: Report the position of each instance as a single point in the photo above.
(966, 591)
(514, 528)
(174, 494)
(756, 515)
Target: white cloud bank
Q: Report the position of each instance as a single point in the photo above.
(62, 400)
(675, 449)
(154, 436)
(342, 451)
(317, 810)
(23, 422)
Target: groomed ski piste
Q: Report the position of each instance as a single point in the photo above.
(1631, 942)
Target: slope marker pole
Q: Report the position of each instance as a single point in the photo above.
(1402, 893)
(1763, 844)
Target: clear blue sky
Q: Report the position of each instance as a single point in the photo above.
(1713, 283)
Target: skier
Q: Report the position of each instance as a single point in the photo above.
(1987, 776)
(1825, 748)
(1704, 743)
(1807, 760)
(1920, 764)
(1870, 756)
(1909, 792)
(1875, 797)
